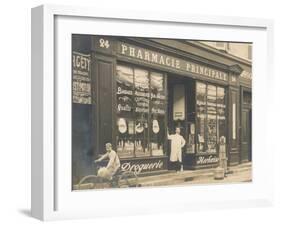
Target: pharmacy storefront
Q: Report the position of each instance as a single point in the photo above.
(135, 90)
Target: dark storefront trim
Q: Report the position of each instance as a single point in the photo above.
(246, 124)
(107, 55)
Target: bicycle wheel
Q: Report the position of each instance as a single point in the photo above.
(128, 179)
(93, 182)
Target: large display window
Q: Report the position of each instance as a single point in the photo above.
(201, 115)
(211, 117)
(141, 108)
(125, 111)
(158, 110)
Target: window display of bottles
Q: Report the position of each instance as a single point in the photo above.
(141, 97)
(210, 116)
(158, 110)
(141, 108)
(201, 115)
(157, 135)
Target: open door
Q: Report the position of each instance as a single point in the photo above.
(181, 108)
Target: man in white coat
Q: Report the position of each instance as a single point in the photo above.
(177, 143)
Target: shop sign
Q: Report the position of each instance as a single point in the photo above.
(169, 61)
(144, 165)
(81, 80)
(202, 160)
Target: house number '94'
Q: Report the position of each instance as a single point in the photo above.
(104, 43)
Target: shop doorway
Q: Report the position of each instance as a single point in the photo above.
(181, 113)
(246, 125)
(199, 109)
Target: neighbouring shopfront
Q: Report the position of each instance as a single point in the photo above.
(136, 89)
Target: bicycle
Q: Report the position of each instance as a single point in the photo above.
(121, 179)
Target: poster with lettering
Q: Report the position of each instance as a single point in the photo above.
(124, 79)
(81, 80)
(158, 105)
(141, 91)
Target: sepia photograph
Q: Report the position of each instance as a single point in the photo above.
(160, 112)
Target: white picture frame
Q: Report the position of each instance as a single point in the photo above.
(51, 197)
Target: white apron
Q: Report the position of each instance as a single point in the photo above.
(177, 142)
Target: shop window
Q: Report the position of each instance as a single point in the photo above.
(221, 113)
(201, 115)
(158, 110)
(211, 118)
(141, 108)
(141, 99)
(125, 112)
(210, 101)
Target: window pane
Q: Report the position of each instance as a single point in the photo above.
(201, 115)
(211, 118)
(125, 113)
(125, 137)
(141, 109)
(158, 110)
(141, 98)
(125, 88)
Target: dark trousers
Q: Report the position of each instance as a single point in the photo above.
(175, 165)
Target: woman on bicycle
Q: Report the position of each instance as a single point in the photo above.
(114, 162)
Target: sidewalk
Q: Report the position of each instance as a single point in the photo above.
(240, 173)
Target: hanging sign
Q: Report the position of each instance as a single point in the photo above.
(179, 102)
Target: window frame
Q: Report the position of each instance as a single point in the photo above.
(133, 67)
(206, 83)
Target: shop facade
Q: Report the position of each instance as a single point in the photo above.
(136, 89)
